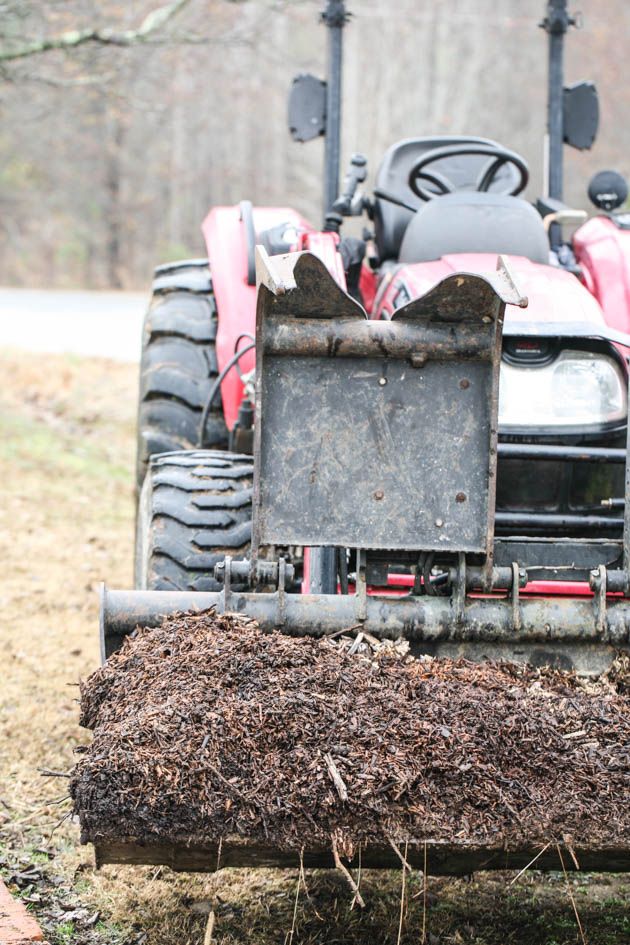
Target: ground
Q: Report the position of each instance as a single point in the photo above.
(66, 522)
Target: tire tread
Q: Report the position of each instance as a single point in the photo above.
(178, 366)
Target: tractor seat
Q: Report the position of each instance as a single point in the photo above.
(390, 221)
(471, 222)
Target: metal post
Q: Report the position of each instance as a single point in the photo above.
(556, 24)
(335, 17)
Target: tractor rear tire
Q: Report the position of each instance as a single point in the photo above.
(178, 365)
(195, 508)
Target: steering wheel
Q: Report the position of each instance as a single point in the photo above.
(498, 157)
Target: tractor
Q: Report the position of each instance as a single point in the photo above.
(422, 432)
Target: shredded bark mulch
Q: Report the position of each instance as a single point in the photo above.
(208, 728)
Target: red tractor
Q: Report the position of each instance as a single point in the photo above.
(441, 205)
(421, 433)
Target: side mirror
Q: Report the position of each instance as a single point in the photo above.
(307, 108)
(580, 117)
(608, 190)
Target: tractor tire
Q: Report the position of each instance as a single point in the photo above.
(178, 365)
(195, 508)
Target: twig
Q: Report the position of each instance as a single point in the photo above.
(60, 822)
(219, 849)
(225, 781)
(571, 897)
(403, 859)
(531, 862)
(339, 633)
(346, 873)
(374, 642)
(423, 934)
(354, 901)
(355, 644)
(338, 781)
(46, 773)
(569, 846)
(305, 884)
(207, 939)
(289, 938)
(402, 897)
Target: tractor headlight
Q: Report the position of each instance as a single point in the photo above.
(577, 389)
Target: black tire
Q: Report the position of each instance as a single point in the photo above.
(178, 365)
(195, 507)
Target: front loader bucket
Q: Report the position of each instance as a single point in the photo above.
(440, 859)
(379, 439)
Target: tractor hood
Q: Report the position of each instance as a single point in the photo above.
(559, 304)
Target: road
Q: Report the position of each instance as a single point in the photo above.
(102, 324)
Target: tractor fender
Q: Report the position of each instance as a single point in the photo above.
(602, 248)
(226, 241)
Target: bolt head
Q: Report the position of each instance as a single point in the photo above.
(382, 381)
(439, 522)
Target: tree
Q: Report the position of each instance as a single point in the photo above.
(12, 49)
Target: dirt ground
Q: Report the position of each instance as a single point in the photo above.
(66, 520)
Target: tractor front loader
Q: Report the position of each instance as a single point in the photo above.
(377, 440)
(427, 443)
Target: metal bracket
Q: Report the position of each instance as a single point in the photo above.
(515, 593)
(459, 590)
(599, 583)
(226, 593)
(282, 596)
(361, 588)
(259, 573)
(304, 321)
(335, 14)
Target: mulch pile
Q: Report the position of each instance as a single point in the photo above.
(207, 728)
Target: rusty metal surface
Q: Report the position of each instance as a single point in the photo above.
(465, 298)
(350, 337)
(534, 625)
(299, 285)
(394, 448)
(558, 559)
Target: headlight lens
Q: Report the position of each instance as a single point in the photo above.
(579, 388)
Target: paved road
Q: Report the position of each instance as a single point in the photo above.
(103, 324)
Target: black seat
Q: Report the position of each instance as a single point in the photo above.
(390, 221)
(468, 222)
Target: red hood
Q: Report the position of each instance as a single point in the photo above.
(555, 295)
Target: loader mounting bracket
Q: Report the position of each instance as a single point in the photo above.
(376, 434)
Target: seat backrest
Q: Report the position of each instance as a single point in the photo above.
(475, 223)
(390, 221)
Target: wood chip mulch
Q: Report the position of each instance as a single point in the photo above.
(207, 728)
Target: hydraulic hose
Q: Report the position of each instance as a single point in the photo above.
(215, 388)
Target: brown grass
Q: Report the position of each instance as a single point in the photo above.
(66, 447)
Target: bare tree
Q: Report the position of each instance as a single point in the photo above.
(111, 155)
(14, 50)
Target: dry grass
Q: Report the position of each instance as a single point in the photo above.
(66, 442)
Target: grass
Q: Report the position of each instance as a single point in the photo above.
(63, 934)
(66, 452)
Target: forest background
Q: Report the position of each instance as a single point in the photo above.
(112, 153)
